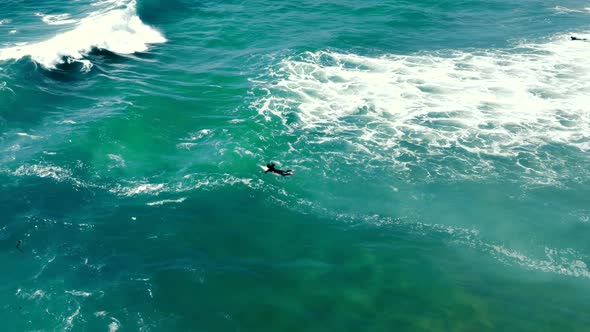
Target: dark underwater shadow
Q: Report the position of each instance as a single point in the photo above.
(86, 68)
(166, 11)
(67, 70)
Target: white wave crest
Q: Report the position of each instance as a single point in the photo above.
(189, 183)
(117, 29)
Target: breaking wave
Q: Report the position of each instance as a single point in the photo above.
(116, 27)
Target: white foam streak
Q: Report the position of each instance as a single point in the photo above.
(189, 183)
(33, 137)
(166, 201)
(119, 30)
(43, 171)
(70, 319)
(565, 262)
(38, 294)
(47, 171)
(564, 10)
(100, 313)
(79, 293)
(142, 189)
(58, 19)
(118, 161)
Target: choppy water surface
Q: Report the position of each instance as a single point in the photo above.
(440, 149)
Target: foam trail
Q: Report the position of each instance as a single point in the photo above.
(166, 201)
(564, 10)
(117, 29)
(493, 102)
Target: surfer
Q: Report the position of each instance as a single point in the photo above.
(271, 168)
(576, 38)
(18, 243)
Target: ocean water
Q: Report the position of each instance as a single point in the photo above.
(441, 152)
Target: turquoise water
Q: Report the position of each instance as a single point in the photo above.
(440, 149)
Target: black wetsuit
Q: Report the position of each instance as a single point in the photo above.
(271, 168)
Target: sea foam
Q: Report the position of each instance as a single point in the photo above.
(498, 102)
(58, 19)
(115, 28)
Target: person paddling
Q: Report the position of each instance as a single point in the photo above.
(271, 168)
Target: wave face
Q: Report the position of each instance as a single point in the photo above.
(115, 27)
(473, 105)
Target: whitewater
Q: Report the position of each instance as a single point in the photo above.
(440, 149)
